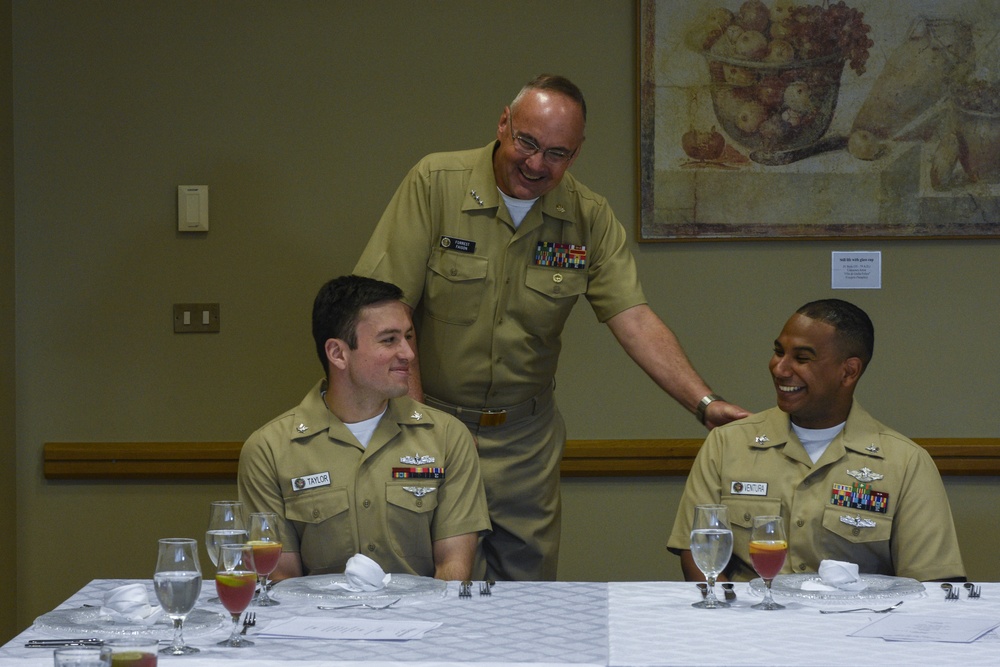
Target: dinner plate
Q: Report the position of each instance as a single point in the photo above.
(879, 587)
(87, 622)
(324, 587)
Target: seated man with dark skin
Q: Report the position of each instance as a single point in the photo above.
(358, 466)
(847, 487)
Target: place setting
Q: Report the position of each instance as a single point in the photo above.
(835, 581)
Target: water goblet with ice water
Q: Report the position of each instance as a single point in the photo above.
(266, 546)
(177, 582)
(225, 526)
(768, 548)
(711, 547)
(235, 582)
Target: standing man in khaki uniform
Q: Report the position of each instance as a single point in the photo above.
(358, 466)
(847, 487)
(492, 248)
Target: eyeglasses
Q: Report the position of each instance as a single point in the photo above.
(526, 146)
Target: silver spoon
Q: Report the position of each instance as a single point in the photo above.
(874, 611)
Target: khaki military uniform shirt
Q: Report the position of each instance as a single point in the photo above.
(338, 498)
(491, 300)
(900, 523)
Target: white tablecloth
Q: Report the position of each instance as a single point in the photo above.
(564, 623)
(653, 623)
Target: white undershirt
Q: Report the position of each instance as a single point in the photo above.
(816, 440)
(518, 208)
(363, 430)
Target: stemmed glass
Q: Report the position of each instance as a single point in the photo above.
(235, 580)
(768, 548)
(177, 582)
(225, 526)
(266, 544)
(711, 547)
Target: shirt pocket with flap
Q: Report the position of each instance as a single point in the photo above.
(409, 515)
(742, 510)
(323, 523)
(550, 298)
(455, 286)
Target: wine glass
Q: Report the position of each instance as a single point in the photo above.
(768, 548)
(266, 544)
(711, 547)
(177, 582)
(235, 581)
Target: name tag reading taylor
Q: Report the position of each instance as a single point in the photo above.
(311, 481)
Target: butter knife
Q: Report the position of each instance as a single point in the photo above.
(59, 643)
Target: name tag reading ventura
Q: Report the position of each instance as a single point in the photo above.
(748, 488)
(311, 481)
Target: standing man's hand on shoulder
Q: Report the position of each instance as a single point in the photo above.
(722, 412)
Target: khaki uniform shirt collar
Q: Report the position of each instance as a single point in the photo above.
(778, 431)
(556, 204)
(403, 411)
(312, 417)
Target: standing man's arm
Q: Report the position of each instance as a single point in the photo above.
(656, 350)
(453, 557)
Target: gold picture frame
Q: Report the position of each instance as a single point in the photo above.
(896, 138)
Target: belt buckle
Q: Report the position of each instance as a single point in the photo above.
(492, 417)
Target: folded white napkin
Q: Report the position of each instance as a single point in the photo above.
(129, 604)
(362, 575)
(836, 575)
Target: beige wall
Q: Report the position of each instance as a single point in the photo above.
(302, 117)
(8, 453)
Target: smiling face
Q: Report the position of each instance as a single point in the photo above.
(549, 119)
(379, 367)
(813, 375)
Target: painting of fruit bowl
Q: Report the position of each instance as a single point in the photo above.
(775, 72)
(818, 119)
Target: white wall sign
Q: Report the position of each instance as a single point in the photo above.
(856, 270)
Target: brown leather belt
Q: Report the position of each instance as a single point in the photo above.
(495, 416)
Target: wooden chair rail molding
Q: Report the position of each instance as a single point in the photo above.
(583, 458)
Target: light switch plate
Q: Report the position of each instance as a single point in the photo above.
(192, 208)
(196, 318)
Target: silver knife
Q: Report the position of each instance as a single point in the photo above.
(58, 643)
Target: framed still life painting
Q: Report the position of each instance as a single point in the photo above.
(791, 119)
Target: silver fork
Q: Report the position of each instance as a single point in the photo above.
(484, 589)
(974, 591)
(367, 605)
(952, 594)
(465, 590)
(848, 611)
(249, 620)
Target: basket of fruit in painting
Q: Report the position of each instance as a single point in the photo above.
(775, 72)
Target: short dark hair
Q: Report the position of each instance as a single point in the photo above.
(854, 327)
(555, 83)
(337, 308)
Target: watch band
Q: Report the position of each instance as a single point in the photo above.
(703, 405)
